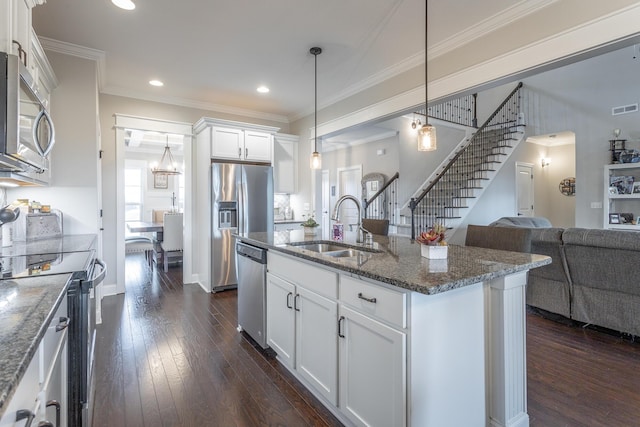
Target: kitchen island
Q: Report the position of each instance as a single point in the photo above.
(383, 336)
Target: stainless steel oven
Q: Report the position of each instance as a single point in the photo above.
(27, 133)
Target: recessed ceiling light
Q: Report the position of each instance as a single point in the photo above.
(124, 4)
(263, 89)
(156, 83)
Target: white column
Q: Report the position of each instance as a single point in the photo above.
(506, 351)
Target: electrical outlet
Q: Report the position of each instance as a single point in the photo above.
(596, 205)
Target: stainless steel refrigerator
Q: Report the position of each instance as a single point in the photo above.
(242, 199)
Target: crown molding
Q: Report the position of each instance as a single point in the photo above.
(99, 56)
(188, 103)
(487, 26)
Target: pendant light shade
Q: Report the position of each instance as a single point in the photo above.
(427, 134)
(167, 166)
(427, 138)
(316, 159)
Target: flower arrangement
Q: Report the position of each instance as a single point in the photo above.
(310, 221)
(434, 236)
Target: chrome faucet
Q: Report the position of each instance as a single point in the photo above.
(361, 230)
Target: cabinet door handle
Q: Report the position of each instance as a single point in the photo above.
(246, 153)
(288, 301)
(371, 300)
(295, 302)
(239, 152)
(340, 334)
(21, 414)
(64, 323)
(57, 405)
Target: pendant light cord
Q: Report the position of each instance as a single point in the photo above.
(315, 51)
(426, 73)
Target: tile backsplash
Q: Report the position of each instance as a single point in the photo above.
(281, 207)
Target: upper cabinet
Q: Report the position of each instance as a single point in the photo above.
(229, 140)
(285, 163)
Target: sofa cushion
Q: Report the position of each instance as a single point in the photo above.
(522, 221)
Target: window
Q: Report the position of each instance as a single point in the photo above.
(133, 194)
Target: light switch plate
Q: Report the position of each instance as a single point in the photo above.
(596, 205)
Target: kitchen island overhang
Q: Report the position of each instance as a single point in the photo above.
(465, 350)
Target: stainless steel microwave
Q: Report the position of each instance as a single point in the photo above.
(27, 134)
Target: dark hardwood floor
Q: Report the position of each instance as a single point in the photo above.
(169, 354)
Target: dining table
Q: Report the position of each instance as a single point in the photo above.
(147, 227)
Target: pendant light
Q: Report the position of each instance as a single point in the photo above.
(316, 160)
(427, 133)
(166, 166)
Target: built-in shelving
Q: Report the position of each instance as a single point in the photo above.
(617, 204)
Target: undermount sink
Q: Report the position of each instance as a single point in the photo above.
(332, 249)
(344, 253)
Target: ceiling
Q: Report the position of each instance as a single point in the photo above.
(214, 54)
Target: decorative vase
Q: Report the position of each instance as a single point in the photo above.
(433, 252)
(310, 231)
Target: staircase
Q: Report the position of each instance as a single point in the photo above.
(452, 190)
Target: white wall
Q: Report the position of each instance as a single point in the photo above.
(550, 202)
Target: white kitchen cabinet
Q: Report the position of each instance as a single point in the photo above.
(281, 319)
(45, 380)
(285, 163)
(230, 140)
(316, 342)
(301, 329)
(258, 146)
(373, 371)
(618, 201)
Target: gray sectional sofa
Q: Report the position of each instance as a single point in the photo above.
(594, 277)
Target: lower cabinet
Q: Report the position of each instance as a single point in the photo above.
(349, 346)
(41, 396)
(373, 370)
(301, 328)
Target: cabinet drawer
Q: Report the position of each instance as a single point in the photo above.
(313, 278)
(52, 339)
(373, 300)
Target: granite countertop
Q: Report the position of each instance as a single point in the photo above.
(27, 306)
(398, 261)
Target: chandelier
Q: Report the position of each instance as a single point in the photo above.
(167, 165)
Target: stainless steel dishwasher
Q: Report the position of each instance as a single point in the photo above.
(251, 266)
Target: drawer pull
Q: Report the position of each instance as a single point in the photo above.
(45, 424)
(340, 334)
(64, 322)
(21, 414)
(371, 300)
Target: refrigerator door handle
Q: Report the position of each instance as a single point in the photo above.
(242, 208)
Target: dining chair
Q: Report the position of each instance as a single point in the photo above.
(136, 244)
(172, 242)
(157, 215)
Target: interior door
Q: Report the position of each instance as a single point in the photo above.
(349, 183)
(524, 189)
